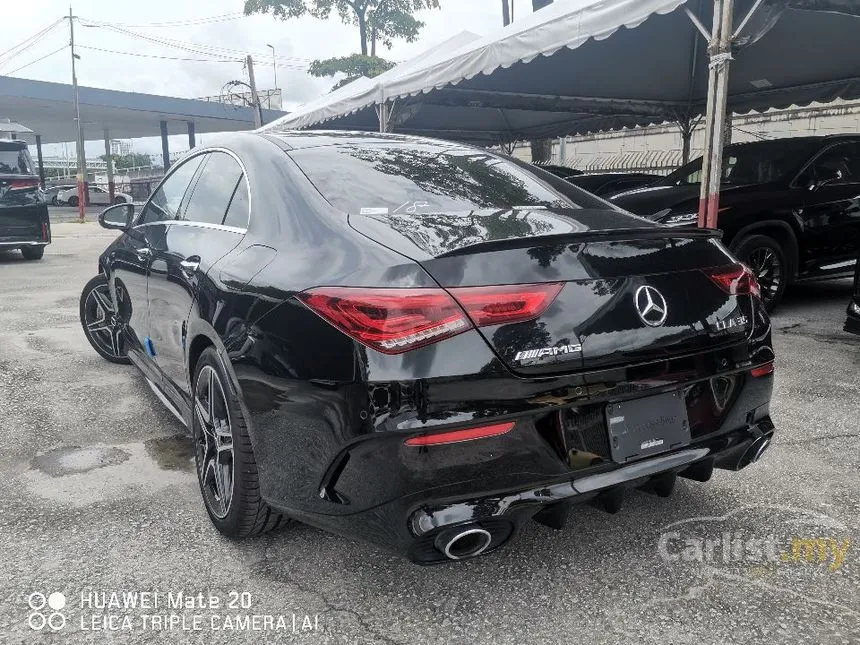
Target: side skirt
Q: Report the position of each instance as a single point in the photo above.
(180, 409)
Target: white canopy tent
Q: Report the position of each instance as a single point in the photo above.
(588, 65)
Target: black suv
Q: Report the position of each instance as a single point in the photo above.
(24, 222)
(789, 208)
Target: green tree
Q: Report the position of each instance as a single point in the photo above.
(378, 21)
(353, 66)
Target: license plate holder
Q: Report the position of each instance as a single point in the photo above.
(643, 427)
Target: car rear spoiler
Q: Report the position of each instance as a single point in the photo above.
(605, 235)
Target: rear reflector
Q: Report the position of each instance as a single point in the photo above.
(456, 436)
(20, 184)
(389, 320)
(506, 304)
(735, 279)
(763, 370)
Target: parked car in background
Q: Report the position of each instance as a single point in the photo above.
(604, 184)
(51, 193)
(423, 344)
(98, 197)
(852, 323)
(560, 171)
(24, 222)
(789, 208)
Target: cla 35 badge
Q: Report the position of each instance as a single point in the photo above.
(532, 354)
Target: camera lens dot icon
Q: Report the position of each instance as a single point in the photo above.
(56, 601)
(55, 620)
(36, 600)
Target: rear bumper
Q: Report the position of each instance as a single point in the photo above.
(24, 226)
(852, 323)
(403, 498)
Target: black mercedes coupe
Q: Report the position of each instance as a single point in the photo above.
(422, 344)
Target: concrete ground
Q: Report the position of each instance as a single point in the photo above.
(99, 495)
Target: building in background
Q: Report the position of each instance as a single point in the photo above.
(657, 149)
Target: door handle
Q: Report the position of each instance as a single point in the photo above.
(189, 267)
(144, 254)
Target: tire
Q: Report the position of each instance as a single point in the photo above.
(33, 252)
(766, 257)
(54, 201)
(243, 512)
(101, 323)
(73, 201)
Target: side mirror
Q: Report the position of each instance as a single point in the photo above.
(118, 216)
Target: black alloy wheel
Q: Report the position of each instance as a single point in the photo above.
(214, 442)
(226, 468)
(101, 323)
(766, 258)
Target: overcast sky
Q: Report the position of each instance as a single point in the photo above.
(296, 42)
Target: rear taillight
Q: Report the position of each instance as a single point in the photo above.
(506, 304)
(394, 321)
(735, 279)
(458, 436)
(23, 184)
(389, 320)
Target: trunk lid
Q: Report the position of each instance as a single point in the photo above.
(633, 291)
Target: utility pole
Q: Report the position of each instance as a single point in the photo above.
(258, 109)
(83, 190)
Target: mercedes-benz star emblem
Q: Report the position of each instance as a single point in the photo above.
(651, 306)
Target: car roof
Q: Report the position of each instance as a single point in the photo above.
(300, 139)
(810, 140)
(12, 144)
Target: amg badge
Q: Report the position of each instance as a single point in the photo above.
(547, 351)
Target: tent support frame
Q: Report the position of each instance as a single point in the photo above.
(720, 52)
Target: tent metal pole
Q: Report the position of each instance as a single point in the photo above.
(721, 55)
(709, 115)
(382, 111)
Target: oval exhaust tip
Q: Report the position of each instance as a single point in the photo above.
(467, 544)
(763, 444)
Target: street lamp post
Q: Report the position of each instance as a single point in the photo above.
(274, 65)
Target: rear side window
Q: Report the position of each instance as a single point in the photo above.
(16, 161)
(421, 178)
(214, 189)
(165, 202)
(237, 213)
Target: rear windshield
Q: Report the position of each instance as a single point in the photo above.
(421, 178)
(15, 161)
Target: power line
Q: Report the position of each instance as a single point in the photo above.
(33, 62)
(184, 23)
(197, 48)
(25, 44)
(196, 60)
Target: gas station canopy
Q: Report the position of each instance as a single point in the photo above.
(48, 110)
